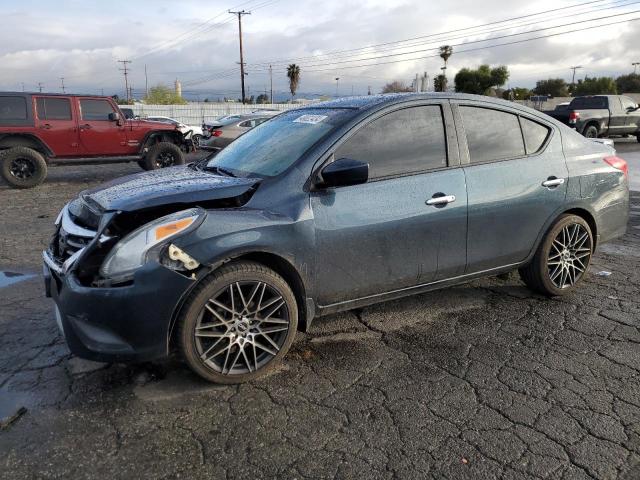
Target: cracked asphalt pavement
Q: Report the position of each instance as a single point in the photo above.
(485, 380)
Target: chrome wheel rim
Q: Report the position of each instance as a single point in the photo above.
(569, 255)
(22, 168)
(165, 159)
(242, 328)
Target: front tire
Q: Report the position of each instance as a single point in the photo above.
(22, 167)
(562, 259)
(163, 155)
(238, 324)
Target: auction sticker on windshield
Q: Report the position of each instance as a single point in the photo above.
(312, 119)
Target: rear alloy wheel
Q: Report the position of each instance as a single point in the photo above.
(591, 131)
(23, 167)
(238, 324)
(562, 259)
(163, 155)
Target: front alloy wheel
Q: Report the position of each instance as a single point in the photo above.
(238, 324)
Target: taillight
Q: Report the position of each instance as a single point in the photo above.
(574, 116)
(216, 133)
(618, 163)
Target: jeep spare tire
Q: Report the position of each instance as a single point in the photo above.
(22, 167)
(162, 155)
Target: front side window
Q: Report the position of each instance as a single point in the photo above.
(271, 148)
(491, 134)
(52, 108)
(402, 142)
(94, 109)
(534, 133)
(13, 108)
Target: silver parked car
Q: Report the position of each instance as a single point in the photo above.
(222, 132)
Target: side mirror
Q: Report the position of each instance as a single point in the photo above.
(114, 117)
(344, 172)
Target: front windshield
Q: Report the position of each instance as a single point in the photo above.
(270, 148)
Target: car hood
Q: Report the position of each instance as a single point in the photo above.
(167, 186)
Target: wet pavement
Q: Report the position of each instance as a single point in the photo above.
(485, 380)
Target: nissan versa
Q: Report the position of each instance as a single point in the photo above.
(327, 208)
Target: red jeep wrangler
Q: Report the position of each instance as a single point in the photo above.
(37, 129)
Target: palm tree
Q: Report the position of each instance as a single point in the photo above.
(445, 52)
(293, 74)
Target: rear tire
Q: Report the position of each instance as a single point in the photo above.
(22, 167)
(238, 324)
(562, 259)
(591, 131)
(163, 155)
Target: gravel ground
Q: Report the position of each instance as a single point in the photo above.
(486, 380)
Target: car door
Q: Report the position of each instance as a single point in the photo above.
(618, 116)
(392, 232)
(56, 125)
(516, 180)
(632, 114)
(98, 134)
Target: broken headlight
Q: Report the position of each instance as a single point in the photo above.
(134, 250)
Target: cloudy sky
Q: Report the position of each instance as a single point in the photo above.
(197, 42)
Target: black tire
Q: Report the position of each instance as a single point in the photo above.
(196, 140)
(162, 155)
(23, 167)
(142, 164)
(638, 137)
(225, 335)
(591, 131)
(541, 275)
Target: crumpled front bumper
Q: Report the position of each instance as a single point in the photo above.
(117, 324)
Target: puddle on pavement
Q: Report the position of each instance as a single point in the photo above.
(9, 278)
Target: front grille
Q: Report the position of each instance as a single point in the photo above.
(69, 244)
(72, 235)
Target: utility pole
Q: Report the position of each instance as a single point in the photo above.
(40, 87)
(573, 78)
(337, 80)
(22, 86)
(635, 67)
(369, 90)
(146, 81)
(271, 83)
(125, 70)
(62, 84)
(240, 13)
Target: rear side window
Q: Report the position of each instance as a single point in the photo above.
(50, 108)
(402, 142)
(627, 103)
(93, 109)
(492, 134)
(13, 108)
(587, 103)
(534, 133)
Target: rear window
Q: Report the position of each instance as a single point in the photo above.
(50, 108)
(534, 134)
(13, 108)
(587, 103)
(95, 109)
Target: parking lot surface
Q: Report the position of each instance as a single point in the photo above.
(485, 380)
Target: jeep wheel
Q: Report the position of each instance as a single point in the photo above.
(23, 167)
(162, 155)
(238, 324)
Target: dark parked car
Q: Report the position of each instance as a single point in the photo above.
(323, 209)
(221, 133)
(601, 116)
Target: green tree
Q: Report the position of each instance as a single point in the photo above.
(556, 87)
(396, 87)
(481, 80)
(628, 83)
(440, 83)
(293, 74)
(596, 86)
(517, 93)
(163, 95)
(262, 98)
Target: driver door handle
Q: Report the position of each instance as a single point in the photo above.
(552, 182)
(443, 200)
(86, 126)
(46, 126)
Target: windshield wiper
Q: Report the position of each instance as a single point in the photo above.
(220, 170)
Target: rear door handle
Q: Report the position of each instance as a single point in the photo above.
(552, 182)
(442, 200)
